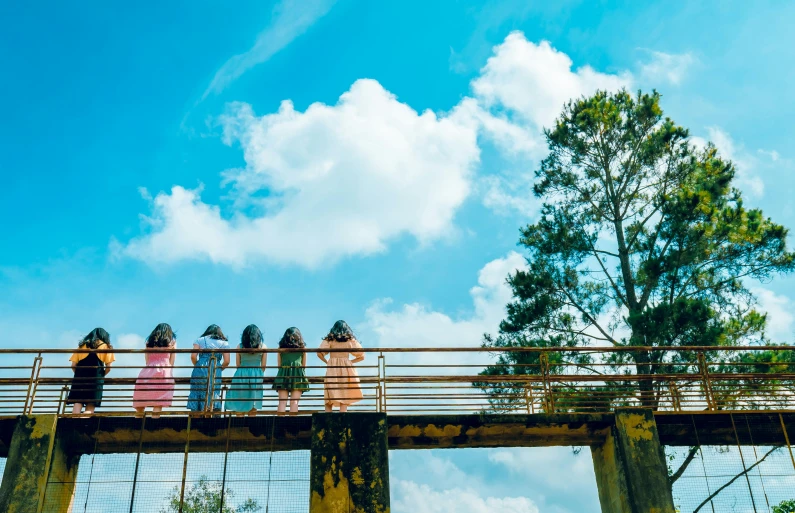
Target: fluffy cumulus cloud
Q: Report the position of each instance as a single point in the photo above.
(534, 81)
(431, 328)
(520, 91)
(526, 480)
(779, 313)
(345, 179)
(746, 164)
(339, 180)
(668, 68)
(416, 498)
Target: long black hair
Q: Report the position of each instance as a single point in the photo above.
(340, 332)
(251, 338)
(161, 336)
(95, 338)
(214, 331)
(292, 339)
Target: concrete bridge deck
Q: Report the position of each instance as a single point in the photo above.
(117, 434)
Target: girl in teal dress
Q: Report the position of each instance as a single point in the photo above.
(291, 379)
(245, 393)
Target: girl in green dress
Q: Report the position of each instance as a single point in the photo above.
(291, 379)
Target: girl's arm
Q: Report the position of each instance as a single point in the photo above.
(279, 360)
(107, 368)
(303, 360)
(173, 356)
(237, 359)
(74, 365)
(358, 356)
(264, 361)
(194, 356)
(226, 361)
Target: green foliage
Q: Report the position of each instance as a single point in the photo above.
(785, 507)
(641, 241)
(205, 497)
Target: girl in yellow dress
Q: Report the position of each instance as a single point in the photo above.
(90, 369)
(342, 387)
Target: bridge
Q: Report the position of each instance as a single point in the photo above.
(418, 398)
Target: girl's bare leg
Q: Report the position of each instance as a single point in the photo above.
(77, 408)
(140, 411)
(343, 408)
(329, 407)
(90, 408)
(295, 396)
(282, 401)
(252, 411)
(156, 411)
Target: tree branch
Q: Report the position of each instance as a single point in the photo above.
(681, 470)
(735, 478)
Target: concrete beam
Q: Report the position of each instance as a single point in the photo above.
(168, 434)
(631, 474)
(349, 463)
(463, 431)
(39, 475)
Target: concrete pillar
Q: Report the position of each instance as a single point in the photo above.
(36, 458)
(630, 468)
(349, 463)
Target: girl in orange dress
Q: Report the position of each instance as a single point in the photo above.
(342, 387)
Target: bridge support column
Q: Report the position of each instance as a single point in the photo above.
(35, 457)
(630, 468)
(349, 463)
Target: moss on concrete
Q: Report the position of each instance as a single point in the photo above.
(631, 474)
(349, 463)
(33, 455)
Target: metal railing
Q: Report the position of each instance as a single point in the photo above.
(447, 380)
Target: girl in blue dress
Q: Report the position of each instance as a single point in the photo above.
(245, 393)
(200, 384)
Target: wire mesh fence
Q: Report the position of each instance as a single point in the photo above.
(752, 472)
(222, 475)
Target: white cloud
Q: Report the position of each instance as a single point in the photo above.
(534, 81)
(779, 317)
(420, 498)
(435, 329)
(666, 68)
(773, 155)
(291, 18)
(554, 468)
(745, 163)
(341, 180)
(520, 91)
(388, 326)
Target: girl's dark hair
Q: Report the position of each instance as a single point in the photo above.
(95, 338)
(340, 332)
(161, 336)
(214, 331)
(292, 339)
(252, 337)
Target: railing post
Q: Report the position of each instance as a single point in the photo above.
(209, 400)
(676, 403)
(549, 402)
(706, 381)
(382, 381)
(32, 385)
(528, 397)
(62, 399)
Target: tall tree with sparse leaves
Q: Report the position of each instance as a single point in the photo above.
(641, 241)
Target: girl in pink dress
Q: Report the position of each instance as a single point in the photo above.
(155, 384)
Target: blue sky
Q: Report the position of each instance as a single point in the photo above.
(151, 171)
